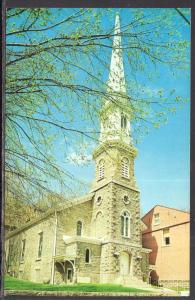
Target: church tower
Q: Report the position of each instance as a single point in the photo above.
(116, 207)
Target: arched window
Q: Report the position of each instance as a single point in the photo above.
(79, 228)
(123, 122)
(101, 169)
(125, 224)
(125, 167)
(87, 256)
(99, 225)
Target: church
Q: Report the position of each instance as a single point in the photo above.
(96, 238)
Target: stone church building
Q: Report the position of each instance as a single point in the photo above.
(95, 238)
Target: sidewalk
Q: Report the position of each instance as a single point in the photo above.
(151, 292)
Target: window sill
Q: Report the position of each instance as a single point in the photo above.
(126, 237)
(22, 262)
(38, 259)
(88, 263)
(127, 178)
(166, 245)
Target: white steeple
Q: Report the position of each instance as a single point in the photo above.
(115, 125)
(116, 82)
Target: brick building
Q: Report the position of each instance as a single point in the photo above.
(167, 234)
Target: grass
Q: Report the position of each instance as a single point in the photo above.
(11, 283)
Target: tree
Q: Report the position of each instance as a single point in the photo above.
(56, 61)
(183, 16)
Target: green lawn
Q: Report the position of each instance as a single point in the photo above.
(11, 283)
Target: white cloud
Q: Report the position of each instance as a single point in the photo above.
(150, 90)
(79, 159)
(81, 154)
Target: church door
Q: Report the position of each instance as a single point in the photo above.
(124, 263)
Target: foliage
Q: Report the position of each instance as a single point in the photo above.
(56, 73)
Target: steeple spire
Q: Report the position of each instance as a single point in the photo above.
(115, 125)
(116, 82)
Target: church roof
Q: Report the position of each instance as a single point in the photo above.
(75, 201)
(68, 204)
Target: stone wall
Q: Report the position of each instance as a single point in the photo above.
(145, 267)
(133, 207)
(111, 190)
(112, 153)
(101, 216)
(88, 271)
(106, 217)
(183, 284)
(110, 267)
(67, 223)
(31, 267)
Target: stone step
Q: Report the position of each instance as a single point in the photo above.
(137, 284)
(134, 282)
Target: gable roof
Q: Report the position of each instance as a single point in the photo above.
(158, 205)
(51, 212)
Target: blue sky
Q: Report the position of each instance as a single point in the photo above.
(162, 164)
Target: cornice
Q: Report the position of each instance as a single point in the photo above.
(124, 243)
(116, 182)
(130, 149)
(82, 239)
